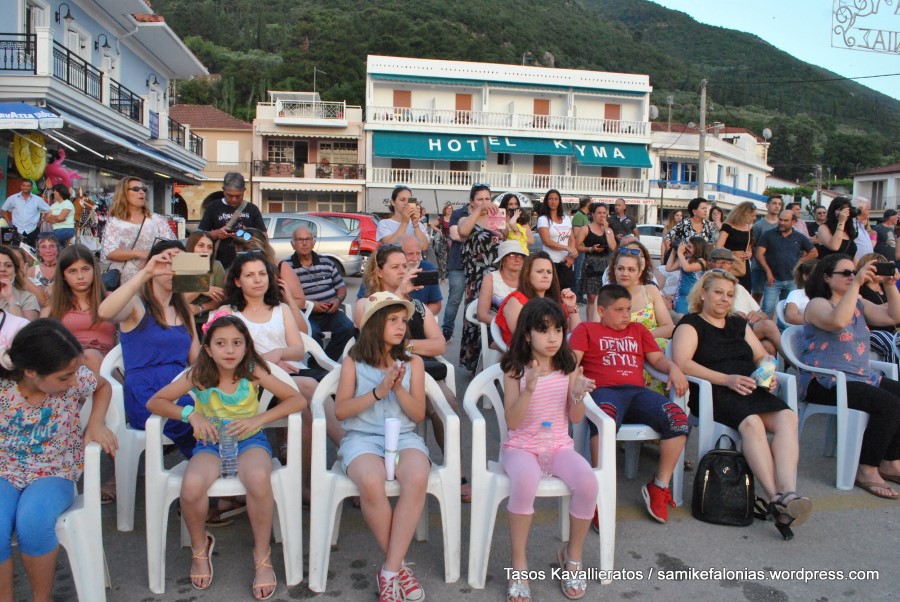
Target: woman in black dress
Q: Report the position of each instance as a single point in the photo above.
(735, 236)
(838, 233)
(726, 359)
(597, 242)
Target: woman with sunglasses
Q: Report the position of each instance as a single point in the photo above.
(713, 343)
(131, 229)
(404, 220)
(835, 336)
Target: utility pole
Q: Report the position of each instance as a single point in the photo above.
(818, 184)
(701, 165)
(670, 100)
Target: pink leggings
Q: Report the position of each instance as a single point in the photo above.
(524, 473)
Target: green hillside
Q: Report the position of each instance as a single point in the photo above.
(256, 45)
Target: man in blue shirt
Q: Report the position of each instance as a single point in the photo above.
(430, 294)
(777, 252)
(457, 276)
(23, 211)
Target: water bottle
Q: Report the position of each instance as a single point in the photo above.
(545, 448)
(228, 451)
(765, 372)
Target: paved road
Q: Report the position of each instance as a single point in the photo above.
(849, 530)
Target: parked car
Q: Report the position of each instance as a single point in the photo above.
(332, 242)
(367, 224)
(651, 237)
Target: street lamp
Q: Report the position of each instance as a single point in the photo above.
(105, 46)
(68, 18)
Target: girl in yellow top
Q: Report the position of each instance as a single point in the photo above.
(224, 383)
(519, 224)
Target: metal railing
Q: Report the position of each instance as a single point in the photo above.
(322, 171)
(310, 109)
(176, 132)
(196, 144)
(125, 102)
(17, 52)
(76, 72)
(508, 181)
(711, 186)
(508, 121)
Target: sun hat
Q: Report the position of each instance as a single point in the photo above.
(507, 247)
(380, 300)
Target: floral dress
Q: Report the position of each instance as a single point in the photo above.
(479, 254)
(647, 316)
(441, 245)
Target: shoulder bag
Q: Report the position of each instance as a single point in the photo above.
(739, 267)
(112, 277)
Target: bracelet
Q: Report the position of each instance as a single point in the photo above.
(186, 412)
(375, 395)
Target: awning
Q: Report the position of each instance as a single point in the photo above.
(529, 146)
(429, 147)
(611, 154)
(21, 116)
(295, 133)
(305, 187)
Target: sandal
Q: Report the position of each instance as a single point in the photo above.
(578, 583)
(223, 513)
(207, 556)
(108, 492)
(517, 589)
(760, 508)
(789, 509)
(465, 491)
(259, 564)
(872, 487)
(893, 478)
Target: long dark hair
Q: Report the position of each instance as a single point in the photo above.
(525, 286)
(831, 220)
(815, 285)
(44, 346)
(178, 302)
(540, 315)
(544, 210)
(205, 372)
(369, 349)
(234, 296)
(62, 299)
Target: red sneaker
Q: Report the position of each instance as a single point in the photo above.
(595, 522)
(657, 501)
(410, 588)
(389, 589)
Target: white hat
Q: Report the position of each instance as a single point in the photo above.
(507, 247)
(382, 299)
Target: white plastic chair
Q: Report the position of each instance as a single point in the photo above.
(498, 336)
(333, 486)
(633, 435)
(315, 350)
(449, 380)
(779, 313)
(488, 356)
(131, 441)
(164, 486)
(851, 424)
(490, 485)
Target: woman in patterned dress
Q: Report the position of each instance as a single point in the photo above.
(441, 240)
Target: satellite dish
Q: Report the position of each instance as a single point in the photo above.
(767, 133)
(654, 112)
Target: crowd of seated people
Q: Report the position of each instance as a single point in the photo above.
(252, 315)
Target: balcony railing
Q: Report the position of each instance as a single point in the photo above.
(176, 132)
(711, 186)
(508, 181)
(506, 121)
(322, 171)
(76, 72)
(310, 109)
(196, 144)
(125, 102)
(17, 52)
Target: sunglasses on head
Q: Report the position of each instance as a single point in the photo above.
(138, 188)
(845, 273)
(243, 234)
(627, 251)
(251, 253)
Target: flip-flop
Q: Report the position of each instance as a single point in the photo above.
(871, 486)
(893, 478)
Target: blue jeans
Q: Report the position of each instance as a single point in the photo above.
(757, 279)
(775, 293)
(32, 514)
(634, 404)
(454, 298)
(341, 328)
(579, 267)
(64, 235)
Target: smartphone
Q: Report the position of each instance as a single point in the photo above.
(496, 221)
(192, 272)
(884, 268)
(426, 277)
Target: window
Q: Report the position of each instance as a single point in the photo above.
(666, 170)
(280, 151)
(227, 152)
(690, 172)
(339, 152)
(609, 172)
(504, 158)
(285, 226)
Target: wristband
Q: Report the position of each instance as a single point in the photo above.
(186, 412)
(375, 395)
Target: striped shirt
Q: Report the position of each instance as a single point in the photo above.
(548, 403)
(320, 281)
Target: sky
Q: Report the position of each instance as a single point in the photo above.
(803, 28)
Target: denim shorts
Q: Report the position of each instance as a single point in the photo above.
(355, 444)
(258, 440)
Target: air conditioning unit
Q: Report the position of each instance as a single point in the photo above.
(731, 171)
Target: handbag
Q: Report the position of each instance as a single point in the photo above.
(723, 487)
(112, 277)
(739, 268)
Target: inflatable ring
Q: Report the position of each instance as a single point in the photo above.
(31, 160)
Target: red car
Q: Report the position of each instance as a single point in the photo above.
(367, 224)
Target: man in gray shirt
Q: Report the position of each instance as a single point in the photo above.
(777, 252)
(768, 222)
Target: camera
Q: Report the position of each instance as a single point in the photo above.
(854, 212)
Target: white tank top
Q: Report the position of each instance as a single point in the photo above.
(501, 289)
(268, 336)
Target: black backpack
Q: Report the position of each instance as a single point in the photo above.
(723, 487)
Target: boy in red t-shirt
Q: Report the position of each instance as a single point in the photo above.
(612, 353)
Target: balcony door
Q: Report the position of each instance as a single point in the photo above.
(463, 108)
(542, 167)
(35, 16)
(301, 154)
(402, 104)
(541, 114)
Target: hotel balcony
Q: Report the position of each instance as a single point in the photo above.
(311, 171)
(730, 196)
(522, 182)
(551, 126)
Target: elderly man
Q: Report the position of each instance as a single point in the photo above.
(777, 252)
(218, 214)
(864, 244)
(429, 294)
(323, 285)
(765, 329)
(23, 211)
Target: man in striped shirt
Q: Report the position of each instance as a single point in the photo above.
(322, 284)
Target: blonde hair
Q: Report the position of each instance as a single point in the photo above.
(741, 214)
(119, 206)
(706, 281)
(870, 257)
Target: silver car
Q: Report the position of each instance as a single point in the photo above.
(332, 242)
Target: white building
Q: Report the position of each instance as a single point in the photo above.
(442, 126)
(881, 185)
